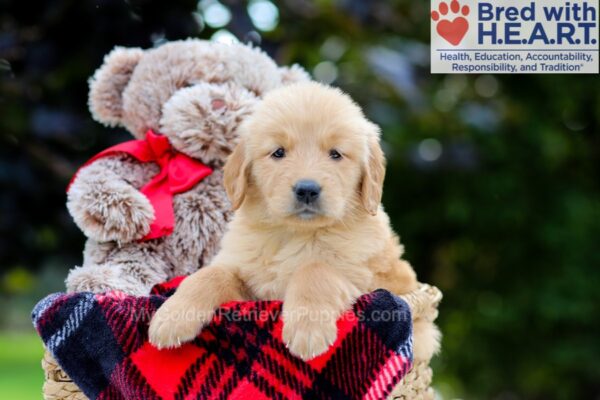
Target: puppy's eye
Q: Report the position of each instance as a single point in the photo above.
(335, 155)
(279, 153)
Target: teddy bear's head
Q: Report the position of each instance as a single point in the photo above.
(195, 92)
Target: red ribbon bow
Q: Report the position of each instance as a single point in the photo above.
(178, 173)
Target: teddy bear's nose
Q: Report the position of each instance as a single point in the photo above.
(217, 104)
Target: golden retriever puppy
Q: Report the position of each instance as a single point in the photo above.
(306, 181)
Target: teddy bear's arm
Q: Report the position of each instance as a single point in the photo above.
(105, 202)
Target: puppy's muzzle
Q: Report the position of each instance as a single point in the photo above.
(307, 191)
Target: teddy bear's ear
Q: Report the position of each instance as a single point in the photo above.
(109, 82)
(293, 74)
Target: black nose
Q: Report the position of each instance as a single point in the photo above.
(307, 191)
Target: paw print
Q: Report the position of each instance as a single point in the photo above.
(454, 30)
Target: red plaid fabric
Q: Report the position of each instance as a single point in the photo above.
(101, 341)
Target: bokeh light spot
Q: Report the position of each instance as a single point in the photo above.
(326, 72)
(333, 48)
(486, 86)
(224, 36)
(430, 149)
(216, 15)
(264, 14)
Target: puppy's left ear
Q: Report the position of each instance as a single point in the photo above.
(236, 175)
(373, 174)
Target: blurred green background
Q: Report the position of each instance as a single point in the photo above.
(493, 181)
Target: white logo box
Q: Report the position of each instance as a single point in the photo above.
(504, 36)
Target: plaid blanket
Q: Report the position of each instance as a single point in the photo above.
(101, 342)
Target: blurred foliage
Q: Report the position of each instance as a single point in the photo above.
(493, 181)
(21, 376)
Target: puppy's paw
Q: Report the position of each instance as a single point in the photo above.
(307, 339)
(174, 324)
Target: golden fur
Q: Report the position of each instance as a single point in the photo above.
(319, 263)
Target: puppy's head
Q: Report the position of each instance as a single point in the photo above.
(307, 155)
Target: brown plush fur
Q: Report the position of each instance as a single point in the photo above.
(317, 262)
(197, 93)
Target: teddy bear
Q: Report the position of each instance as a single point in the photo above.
(183, 102)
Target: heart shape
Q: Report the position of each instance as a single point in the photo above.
(453, 31)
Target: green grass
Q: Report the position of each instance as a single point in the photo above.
(21, 375)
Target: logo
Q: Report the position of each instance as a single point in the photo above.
(514, 37)
(453, 30)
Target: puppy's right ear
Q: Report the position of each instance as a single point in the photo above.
(109, 82)
(236, 175)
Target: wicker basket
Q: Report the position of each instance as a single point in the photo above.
(415, 385)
